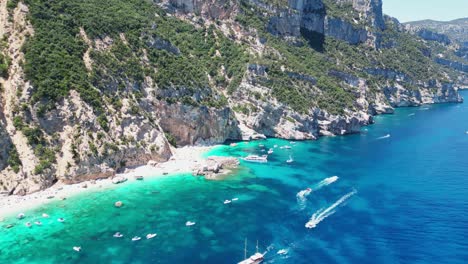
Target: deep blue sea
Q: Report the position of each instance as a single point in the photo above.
(401, 197)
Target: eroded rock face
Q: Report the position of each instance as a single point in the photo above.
(342, 30)
(306, 17)
(197, 125)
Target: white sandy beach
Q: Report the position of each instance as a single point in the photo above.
(183, 161)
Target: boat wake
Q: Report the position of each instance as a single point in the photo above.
(384, 137)
(302, 195)
(323, 213)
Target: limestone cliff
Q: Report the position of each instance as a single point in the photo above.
(86, 92)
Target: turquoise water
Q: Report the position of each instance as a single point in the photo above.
(410, 205)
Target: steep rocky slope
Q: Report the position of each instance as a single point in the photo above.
(456, 29)
(90, 87)
(453, 35)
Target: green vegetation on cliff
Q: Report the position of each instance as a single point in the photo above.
(178, 54)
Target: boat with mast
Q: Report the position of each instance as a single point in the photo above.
(255, 258)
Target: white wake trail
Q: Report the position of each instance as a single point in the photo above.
(302, 195)
(383, 137)
(323, 213)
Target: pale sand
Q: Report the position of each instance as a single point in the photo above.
(183, 161)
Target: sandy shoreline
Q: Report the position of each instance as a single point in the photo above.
(183, 161)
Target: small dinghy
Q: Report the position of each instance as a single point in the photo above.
(28, 224)
(150, 236)
(77, 249)
(227, 201)
(118, 235)
(38, 223)
(61, 220)
(282, 252)
(136, 238)
(189, 223)
(20, 216)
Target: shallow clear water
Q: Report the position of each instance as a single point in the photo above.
(410, 205)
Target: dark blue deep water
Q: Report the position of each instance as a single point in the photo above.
(408, 203)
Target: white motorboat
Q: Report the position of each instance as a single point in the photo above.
(227, 201)
(290, 160)
(20, 216)
(282, 252)
(118, 235)
(270, 151)
(136, 238)
(256, 158)
(189, 223)
(150, 236)
(45, 215)
(77, 249)
(304, 193)
(235, 199)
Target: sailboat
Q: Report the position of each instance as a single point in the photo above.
(255, 258)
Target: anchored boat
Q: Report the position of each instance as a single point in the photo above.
(254, 259)
(256, 158)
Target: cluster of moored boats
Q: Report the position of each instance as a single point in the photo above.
(37, 222)
(264, 158)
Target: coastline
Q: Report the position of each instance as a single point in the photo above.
(183, 161)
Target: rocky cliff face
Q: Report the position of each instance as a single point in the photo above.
(194, 72)
(363, 18)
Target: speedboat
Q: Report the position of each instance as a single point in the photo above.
(287, 147)
(256, 158)
(275, 146)
(302, 194)
(270, 151)
(20, 216)
(310, 224)
(189, 223)
(45, 215)
(118, 235)
(38, 223)
(290, 160)
(77, 249)
(61, 220)
(227, 201)
(150, 236)
(282, 252)
(28, 224)
(136, 238)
